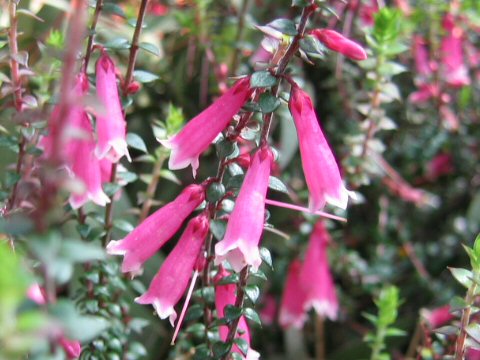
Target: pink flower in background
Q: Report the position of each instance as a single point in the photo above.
(199, 132)
(158, 228)
(292, 311)
(425, 93)
(321, 170)
(245, 224)
(339, 43)
(440, 165)
(269, 310)
(36, 294)
(437, 317)
(405, 191)
(72, 348)
(171, 281)
(226, 295)
(454, 69)
(111, 124)
(421, 56)
(86, 168)
(315, 276)
(73, 122)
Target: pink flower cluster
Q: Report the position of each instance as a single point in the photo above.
(450, 70)
(309, 284)
(88, 156)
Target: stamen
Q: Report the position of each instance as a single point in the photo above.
(185, 306)
(304, 209)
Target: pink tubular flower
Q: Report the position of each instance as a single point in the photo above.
(199, 133)
(321, 170)
(315, 276)
(437, 317)
(226, 295)
(154, 231)
(172, 279)
(86, 167)
(454, 68)
(339, 43)
(72, 348)
(422, 62)
(245, 225)
(36, 294)
(292, 311)
(111, 124)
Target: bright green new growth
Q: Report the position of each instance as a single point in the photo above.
(387, 303)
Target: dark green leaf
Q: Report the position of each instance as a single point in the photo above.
(285, 26)
(262, 79)
(266, 256)
(277, 184)
(218, 228)
(252, 315)
(268, 102)
(215, 192)
(231, 312)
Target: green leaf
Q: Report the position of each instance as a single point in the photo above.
(463, 276)
(220, 349)
(111, 8)
(242, 345)
(229, 279)
(473, 330)
(144, 76)
(231, 312)
(151, 48)
(252, 315)
(123, 225)
(194, 312)
(218, 228)
(277, 184)
(266, 256)
(395, 332)
(252, 292)
(224, 148)
(285, 26)
(300, 3)
(268, 102)
(447, 330)
(136, 142)
(76, 326)
(118, 44)
(262, 79)
(215, 192)
(78, 251)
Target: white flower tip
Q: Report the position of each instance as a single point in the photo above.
(324, 308)
(114, 248)
(166, 143)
